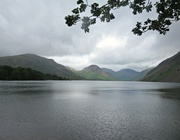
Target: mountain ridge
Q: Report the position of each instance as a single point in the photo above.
(167, 71)
(127, 74)
(38, 63)
(94, 72)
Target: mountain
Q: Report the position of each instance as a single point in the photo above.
(141, 74)
(122, 75)
(127, 74)
(71, 69)
(110, 72)
(167, 71)
(38, 63)
(19, 73)
(94, 72)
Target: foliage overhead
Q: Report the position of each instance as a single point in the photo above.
(168, 11)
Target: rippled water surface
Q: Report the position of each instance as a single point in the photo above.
(89, 110)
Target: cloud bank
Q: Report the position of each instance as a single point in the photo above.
(39, 27)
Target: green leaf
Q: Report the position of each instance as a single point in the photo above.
(168, 22)
(75, 11)
(80, 2)
(82, 7)
(112, 16)
(93, 21)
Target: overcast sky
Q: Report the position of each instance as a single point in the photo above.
(38, 27)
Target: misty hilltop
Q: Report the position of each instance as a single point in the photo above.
(166, 71)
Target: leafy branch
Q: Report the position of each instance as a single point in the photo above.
(168, 11)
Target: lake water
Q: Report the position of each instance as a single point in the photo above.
(89, 110)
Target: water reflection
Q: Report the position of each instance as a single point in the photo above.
(84, 89)
(89, 110)
(170, 93)
(25, 87)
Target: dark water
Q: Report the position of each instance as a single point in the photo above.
(89, 110)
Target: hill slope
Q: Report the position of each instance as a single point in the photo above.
(110, 72)
(94, 72)
(19, 73)
(141, 74)
(38, 63)
(167, 71)
(127, 74)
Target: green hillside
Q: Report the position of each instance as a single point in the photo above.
(38, 63)
(166, 71)
(141, 74)
(94, 72)
(127, 74)
(19, 73)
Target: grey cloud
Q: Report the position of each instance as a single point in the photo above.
(39, 27)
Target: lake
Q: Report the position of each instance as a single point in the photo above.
(89, 110)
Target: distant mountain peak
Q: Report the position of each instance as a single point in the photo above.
(93, 68)
(130, 71)
(94, 72)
